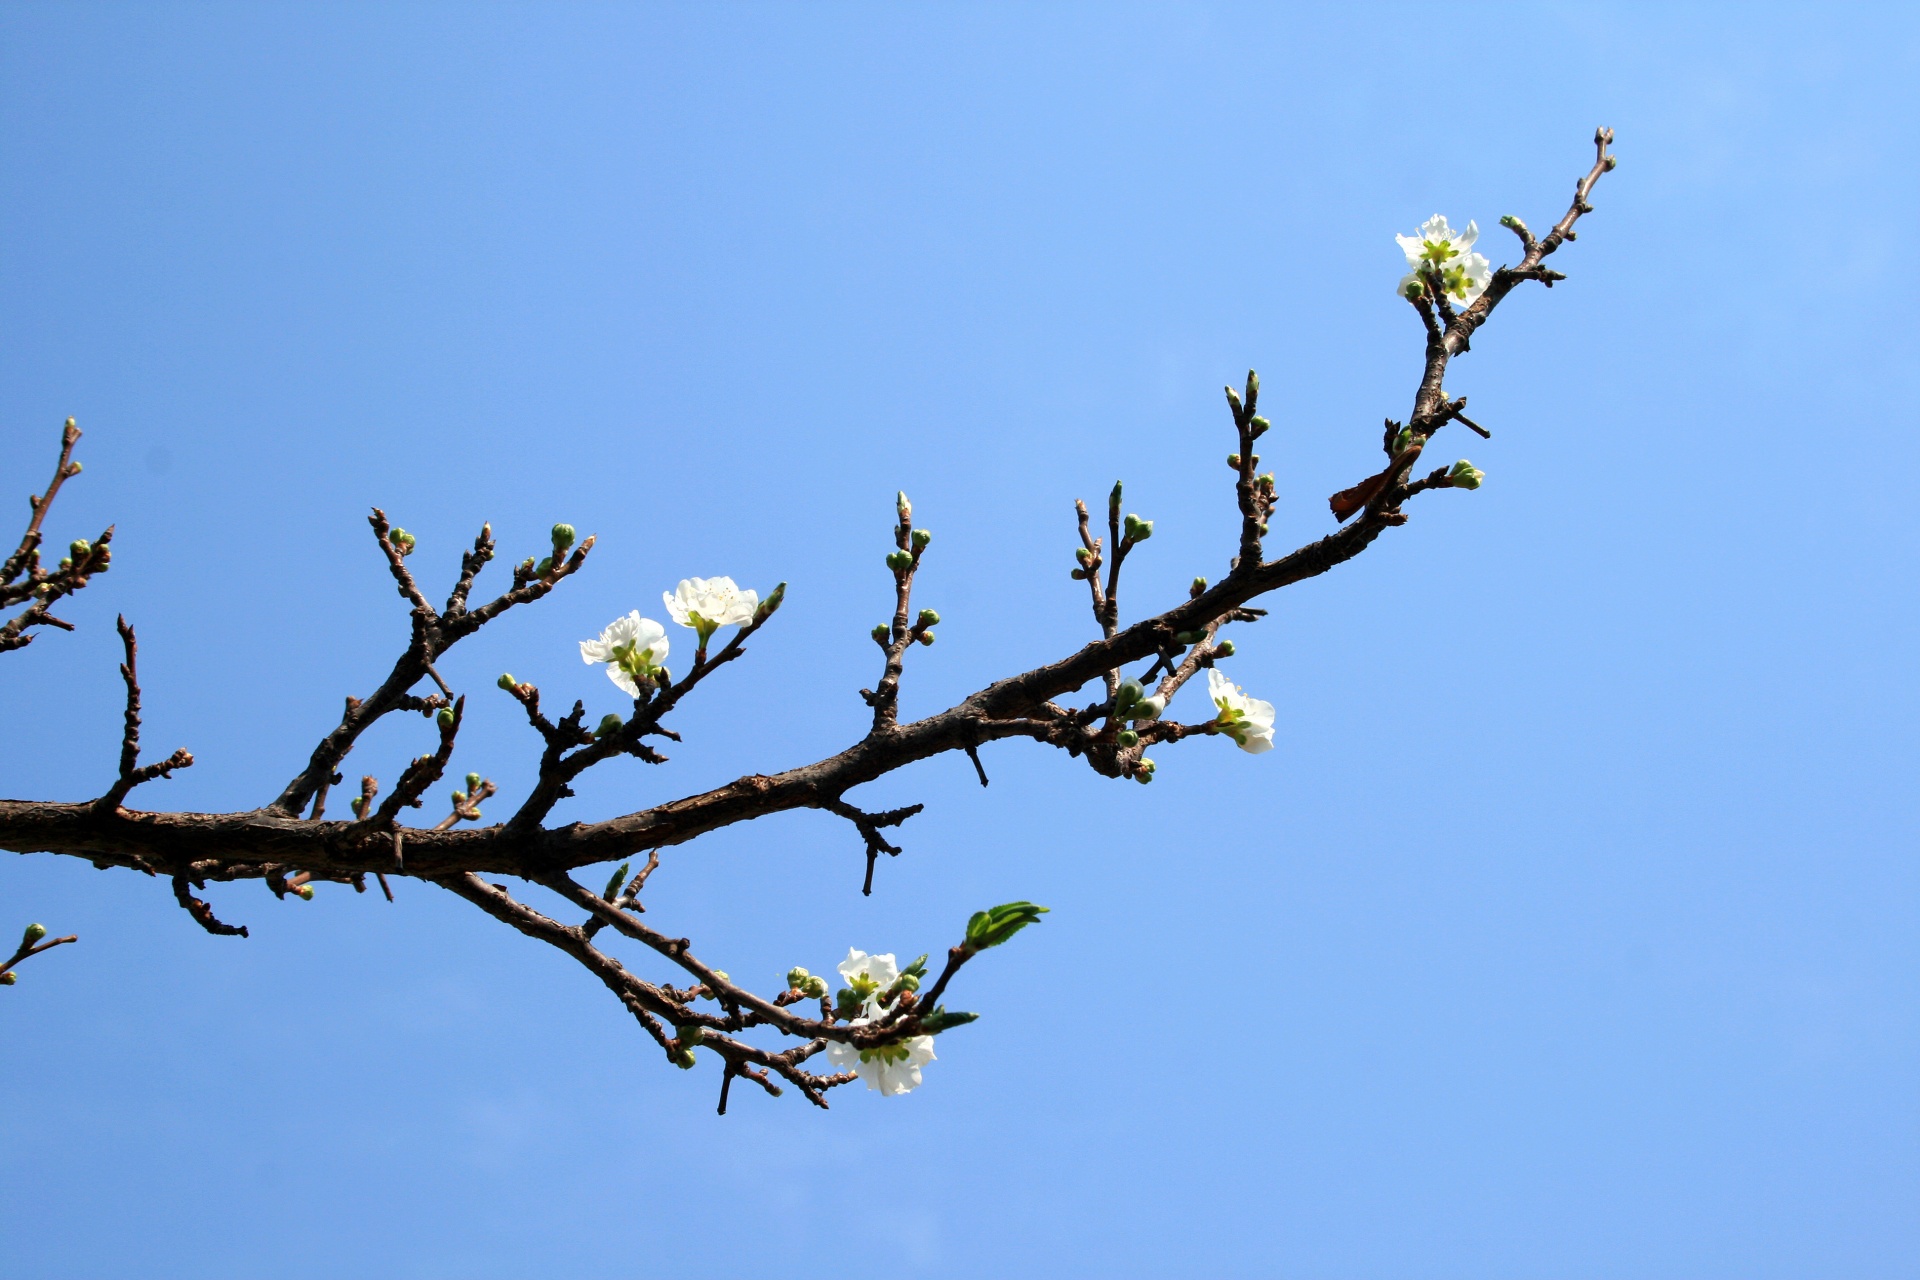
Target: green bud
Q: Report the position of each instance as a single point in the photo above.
(609, 723)
(797, 978)
(1233, 400)
(924, 637)
(1129, 692)
(1078, 575)
(1253, 384)
(614, 883)
(475, 814)
(8, 978)
(473, 781)
(445, 718)
(80, 549)
(899, 561)
(882, 633)
(562, 538)
(1401, 441)
(901, 505)
(359, 806)
(1137, 529)
(1258, 427)
(919, 966)
(459, 798)
(1415, 289)
(1113, 500)
(929, 618)
(507, 682)
(34, 933)
(544, 567)
(1190, 637)
(906, 982)
(66, 562)
(684, 1060)
(1143, 771)
(1224, 649)
(921, 537)
(771, 604)
(74, 469)
(1465, 475)
(1148, 709)
(689, 1036)
(1199, 586)
(1233, 462)
(305, 891)
(1126, 738)
(402, 541)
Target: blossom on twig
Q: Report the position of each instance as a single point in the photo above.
(631, 647)
(707, 604)
(891, 1069)
(1444, 253)
(1248, 721)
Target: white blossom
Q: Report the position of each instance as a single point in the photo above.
(707, 604)
(1447, 254)
(630, 646)
(1248, 721)
(868, 976)
(891, 1069)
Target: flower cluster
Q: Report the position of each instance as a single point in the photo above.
(872, 982)
(1445, 254)
(635, 648)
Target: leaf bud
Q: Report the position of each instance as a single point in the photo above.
(1259, 427)
(445, 718)
(901, 505)
(1126, 738)
(618, 878)
(609, 723)
(899, 561)
(1465, 475)
(1253, 384)
(771, 604)
(473, 781)
(507, 682)
(921, 537)
(562, 538)
(1401, 441)
(1233, 399)
(940, 1020)
(34, 933)
(1113, 500)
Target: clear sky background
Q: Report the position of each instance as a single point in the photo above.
(1570, 930)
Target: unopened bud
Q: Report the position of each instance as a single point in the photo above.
(1198, 588)
(80, 549)
(1414, 289)
(1258, 427)
(1126, 738)
(545, 567)
(684, 1060)
(1143, 770)
(8, 978)
(921, 537)
(1148, 709)
(473, 782)
(1465, 475)
(305, 891)
(445, 718)
(562, 538)
(402, 541)
(1233, 461)
(609, 723)
(1189, 637)
(771, 604)
(1129, 692)
(929, 618)
(1137, 529)
(901, 505)
(882, 633)
(899, 561)
(1084, 556)
(507, 682)
(1253, 384)
(1233, 399)
(459, 798)
(34, 933)
(1224, 649)
(1113, 500)
(924, 637)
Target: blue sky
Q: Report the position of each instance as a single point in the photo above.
(1569, 930)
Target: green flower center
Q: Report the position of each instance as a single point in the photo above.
(1438, 252)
